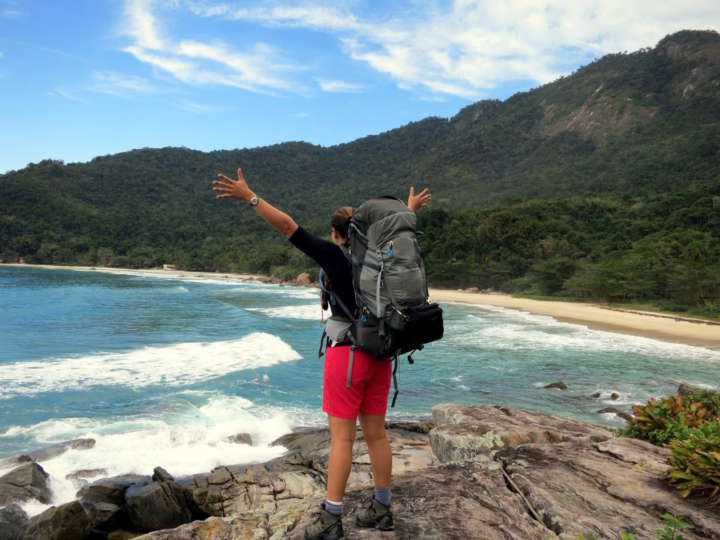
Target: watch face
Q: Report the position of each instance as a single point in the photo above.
(254, 200)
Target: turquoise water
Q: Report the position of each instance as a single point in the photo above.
(160, 371)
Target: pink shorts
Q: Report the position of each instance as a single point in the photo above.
(369, 385)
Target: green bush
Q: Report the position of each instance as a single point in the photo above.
(690, 425)
(695, 462)
(672, 527)
(661, 421)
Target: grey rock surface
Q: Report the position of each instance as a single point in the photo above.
(104, 500)
(24, 483)
(161, 475)
(157, 505)
(112, 489)
(43, 454)
(241, 438)
(66, 522)
(13, 521)
(617, 412)
(463, 432)
(603, 488)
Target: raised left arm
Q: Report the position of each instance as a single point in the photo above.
(227, 188)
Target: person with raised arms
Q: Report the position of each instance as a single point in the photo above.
(367, 397)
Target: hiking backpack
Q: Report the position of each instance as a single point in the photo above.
(393, 315)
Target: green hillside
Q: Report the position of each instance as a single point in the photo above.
(603, 184)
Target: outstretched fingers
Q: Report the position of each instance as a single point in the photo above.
(224, 179)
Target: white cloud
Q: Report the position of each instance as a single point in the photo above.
(194, 107)
(301, 115)
(118, 84)
(64, 93)
(258, 69)
(339, 86)
(467, 47)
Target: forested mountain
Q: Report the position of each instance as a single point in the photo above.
(602, 184)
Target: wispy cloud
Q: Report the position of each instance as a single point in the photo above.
(11, 13)
(467, 47)
(194, 107)
(119, 84)
(1, 55)
(259, 68)
(301, 115)
(65, 93)
(339, 86)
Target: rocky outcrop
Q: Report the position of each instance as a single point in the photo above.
(66, 522)
(602, 488)
(617, 412)
(459, 500)
(574, 478)
(241, 438)
(80, 477)
(157, 505)
(464, 433)
(13, 521)
(44, 454)
(473, 472)
(27, 482)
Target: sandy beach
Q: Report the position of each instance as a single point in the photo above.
(658, 326)
(665, 327)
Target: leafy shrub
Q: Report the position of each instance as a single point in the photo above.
(690, 424)
(672, 528)
(661, 421)
(695, 462)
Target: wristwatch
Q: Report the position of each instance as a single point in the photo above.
(254, 200)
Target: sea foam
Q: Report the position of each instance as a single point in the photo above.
(185, 439)
(500, 328)
(305, 311)
(170, 365)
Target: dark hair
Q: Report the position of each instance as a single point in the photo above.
(341, 220)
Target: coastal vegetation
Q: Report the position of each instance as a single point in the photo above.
(602, 185)
(689, 423)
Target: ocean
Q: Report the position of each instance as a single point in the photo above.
(162, 370)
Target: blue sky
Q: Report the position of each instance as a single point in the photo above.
(83, 78)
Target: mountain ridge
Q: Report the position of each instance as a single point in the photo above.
(626, 128)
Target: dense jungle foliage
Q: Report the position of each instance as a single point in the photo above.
(604, 184)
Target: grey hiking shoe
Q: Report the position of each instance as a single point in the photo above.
(325, 527)
(377, 515)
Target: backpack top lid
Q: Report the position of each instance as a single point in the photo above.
(378, 221)
(376, 209)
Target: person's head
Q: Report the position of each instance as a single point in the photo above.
(340, 224)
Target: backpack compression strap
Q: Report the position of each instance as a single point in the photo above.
(394, 375)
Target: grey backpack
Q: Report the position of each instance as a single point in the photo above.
(393, 315)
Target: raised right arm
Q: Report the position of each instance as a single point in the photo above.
(239, 189)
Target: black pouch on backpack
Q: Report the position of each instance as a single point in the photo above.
(422, 324)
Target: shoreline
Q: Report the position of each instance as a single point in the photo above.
(665, 327)
(660, 326)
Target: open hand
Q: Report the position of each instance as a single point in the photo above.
(416, 202)
(227, 188)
